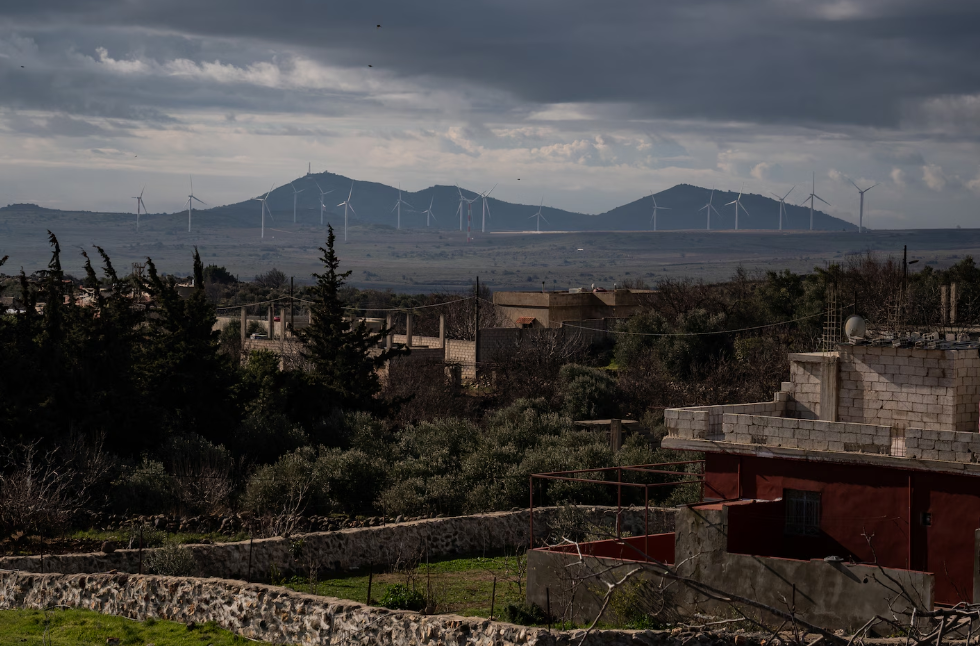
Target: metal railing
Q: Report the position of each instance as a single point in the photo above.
(569, 476)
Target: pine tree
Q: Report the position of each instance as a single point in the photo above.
(344, 356)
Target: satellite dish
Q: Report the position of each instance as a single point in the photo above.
(855, 327)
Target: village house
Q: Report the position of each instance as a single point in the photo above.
(861, 472)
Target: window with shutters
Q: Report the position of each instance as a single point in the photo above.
(802, 512)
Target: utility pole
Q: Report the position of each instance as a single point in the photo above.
(292, 313)
(476, 332)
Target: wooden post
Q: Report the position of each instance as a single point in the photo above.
(141, 546)
(270, 325)
(391, 334)
(248, 575)
(282, 332)
(408, 330)
(244, 325)
(493, 598)
(944, 300)
(370, 581)
(442, 331)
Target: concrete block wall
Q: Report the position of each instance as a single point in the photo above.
(910, 388)
(706, 422)
(805, 390)
(948, 446)
(813, 435)
(463, 353)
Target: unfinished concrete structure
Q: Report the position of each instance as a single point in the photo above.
(550, 309)
(867, 461)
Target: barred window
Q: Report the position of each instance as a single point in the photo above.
(802, 512)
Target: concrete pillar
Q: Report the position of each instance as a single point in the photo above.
(616, 434)
(944, 299)
(442, 331)
(282, 329)
(952, 304)
(829, 389)
(390, 336)
(270, 326)
(408, 330)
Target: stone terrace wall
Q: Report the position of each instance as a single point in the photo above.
(279, 615)
(349, 549)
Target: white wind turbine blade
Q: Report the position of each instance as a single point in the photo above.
(822, 200)
(201, 201)
(715, 210)
(855, 185)
(788, 192)
(730, 203)
(353, 211)
(744, 209)
(865, 190)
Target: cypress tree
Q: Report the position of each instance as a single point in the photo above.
(343, 356)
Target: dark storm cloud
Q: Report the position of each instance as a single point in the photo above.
(757, 61)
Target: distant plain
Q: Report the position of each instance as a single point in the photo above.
(419, 259)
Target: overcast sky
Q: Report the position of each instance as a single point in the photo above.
(590, 104)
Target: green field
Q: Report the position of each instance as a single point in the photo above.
(458, 586)
(84, 627)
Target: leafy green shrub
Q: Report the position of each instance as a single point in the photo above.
(265, 437)
(524, 614)
(290, 486)
(145, 489)
(640, 605)
(589, 393)
(171, 560)
(400, 597)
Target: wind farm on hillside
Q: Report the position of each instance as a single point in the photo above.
(391, 241)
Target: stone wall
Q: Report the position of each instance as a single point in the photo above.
(279, 615)
(348, 549)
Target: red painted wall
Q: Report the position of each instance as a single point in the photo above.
(658, 546)
(866, 512)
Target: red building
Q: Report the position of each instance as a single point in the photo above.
(868, 454)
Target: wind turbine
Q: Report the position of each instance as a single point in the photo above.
(139, 205)
(540, 216)
(322, 205)
(295, 193)
(811, 196)
(653, 218)
(486, 208)
(264, 208)
(782, 205)
(428, 212)
(861, 216)
(469, 206)
(347, 205)
(190, 204)
(738, 204)
(710, 208)
(398, 205)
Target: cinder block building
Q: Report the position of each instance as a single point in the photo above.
(550, 309)
(869, 457)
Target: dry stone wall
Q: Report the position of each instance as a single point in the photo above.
(279, 615)
(348, 549)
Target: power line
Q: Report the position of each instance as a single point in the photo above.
(663, 334)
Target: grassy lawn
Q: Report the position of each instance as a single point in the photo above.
(84, 627)
(459, 586)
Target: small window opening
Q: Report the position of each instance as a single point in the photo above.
(802, 512)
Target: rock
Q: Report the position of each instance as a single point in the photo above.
(108, 547)
(398, 519)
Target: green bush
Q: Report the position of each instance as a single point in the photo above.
(588, 393)
(524, 614)
(290, 486)
(265, 437)
(400, 597)
(144, 489)
(171, 560)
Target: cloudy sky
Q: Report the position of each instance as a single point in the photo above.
(590, 104)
